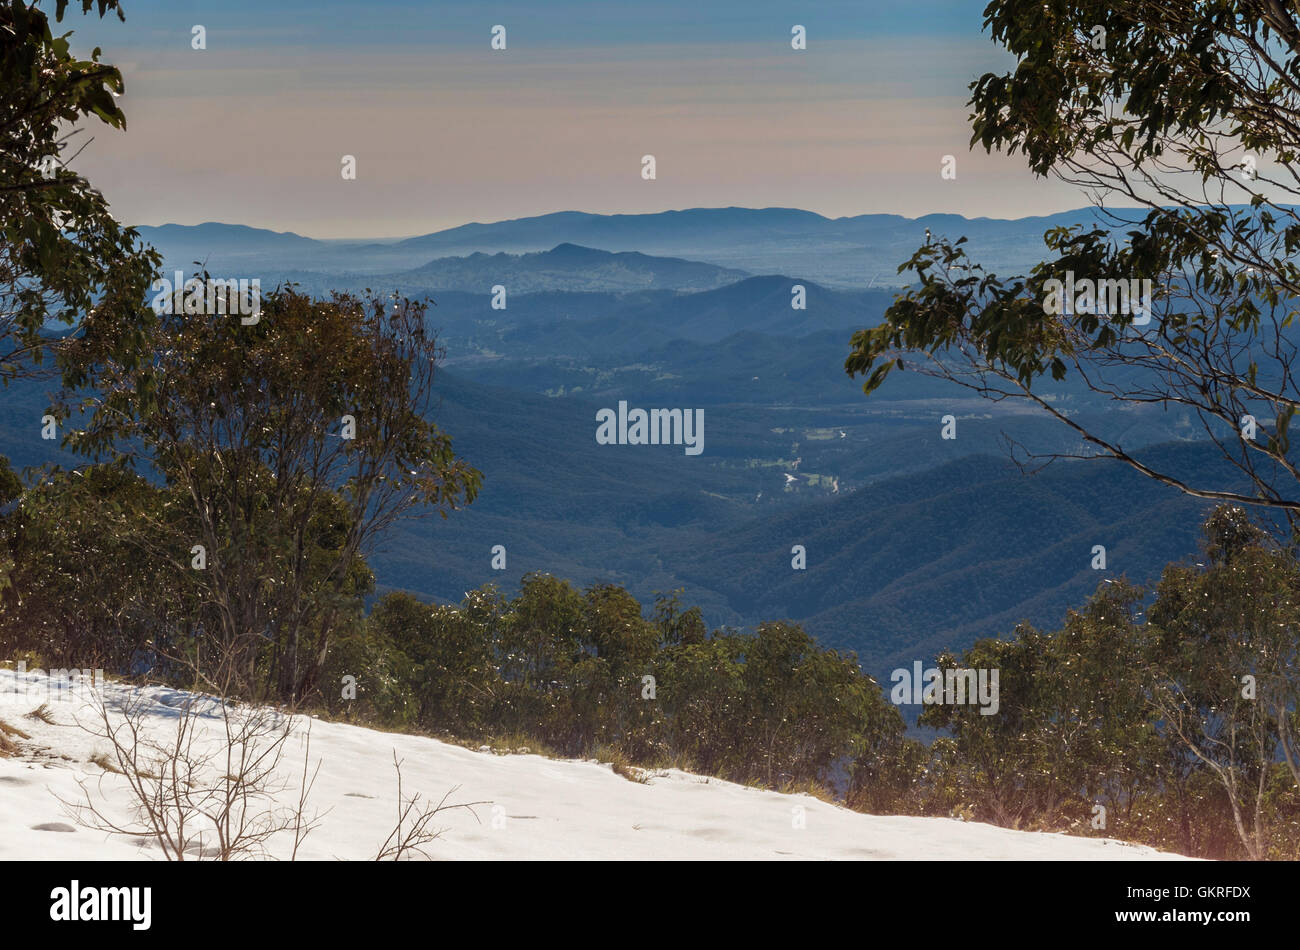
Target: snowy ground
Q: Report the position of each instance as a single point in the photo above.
(538, 808)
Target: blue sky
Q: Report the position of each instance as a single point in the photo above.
(542, 23)
(444, 129)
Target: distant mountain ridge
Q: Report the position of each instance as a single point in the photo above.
(568, 267)
(857, 251)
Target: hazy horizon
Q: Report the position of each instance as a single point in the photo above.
(387, 238)
(446, 130)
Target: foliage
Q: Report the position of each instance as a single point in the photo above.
(571, 670)
(63, 258)
(1149, 724)
(1187, 113)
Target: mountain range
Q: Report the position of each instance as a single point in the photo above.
(914, 542)
(852, 252)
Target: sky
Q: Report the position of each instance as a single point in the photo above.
(445, 130)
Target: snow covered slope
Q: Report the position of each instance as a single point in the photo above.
(537, 808)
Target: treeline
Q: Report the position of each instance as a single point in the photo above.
(585, 673)
(1165, 716)
(568, 672)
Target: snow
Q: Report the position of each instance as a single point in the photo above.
(536, 807)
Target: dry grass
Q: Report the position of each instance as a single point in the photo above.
(8, 746)
(621, 765)
(809, 787)
(510, 744)
(8, 730)
(43, 714)
(105, 763)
